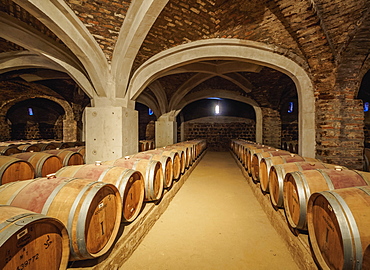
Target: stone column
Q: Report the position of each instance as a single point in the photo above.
(271, 127)
(4, 129)
(110, 133)
(340, 135)
(165, 130)
(69, 130)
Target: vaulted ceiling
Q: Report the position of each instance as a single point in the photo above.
(102, 41)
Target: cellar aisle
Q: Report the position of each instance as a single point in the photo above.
(213, 222)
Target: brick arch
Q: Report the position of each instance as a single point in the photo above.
(244, 51)
(69, 133)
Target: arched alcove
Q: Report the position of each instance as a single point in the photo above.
(36, 118)
(146, 122)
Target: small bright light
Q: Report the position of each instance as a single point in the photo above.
(150, 112)
(30, 111)
(291, 107)
(366, 106)
(217, 109)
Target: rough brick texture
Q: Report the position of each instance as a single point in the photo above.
(218, 130)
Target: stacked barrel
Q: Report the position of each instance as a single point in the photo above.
(77, 212)
(328, 202)
(26, 160)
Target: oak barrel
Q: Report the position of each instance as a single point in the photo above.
(78, 149)
(183, 153)
(186, 153)
(151, 171)
(190, 149)
(9, 150)
(43, 163)
(90, 210)
(67, 157)
(299, 185)
(175, 159)
(46, 146)
(15, 169)
(338, 224)
(254, 150)
(267, 162)
(277, 175)
(257, 157)
(166, 161)
(30, 240)
(130, 184)
(29, 148)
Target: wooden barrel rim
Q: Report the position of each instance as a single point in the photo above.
(137, 176)
(276, 194)
(303, 192)
(348, 229)
(18, 222)
(152, 189)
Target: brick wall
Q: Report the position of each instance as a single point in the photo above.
(218, 130)
(340, 135)
(271, 127)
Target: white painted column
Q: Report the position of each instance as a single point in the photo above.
(110, 133)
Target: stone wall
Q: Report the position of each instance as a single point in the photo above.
(218, 130)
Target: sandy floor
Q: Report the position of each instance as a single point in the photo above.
(213, 222)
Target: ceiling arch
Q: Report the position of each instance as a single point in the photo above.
(243, 51)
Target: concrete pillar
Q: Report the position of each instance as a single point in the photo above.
(110, 133)
(165, 132)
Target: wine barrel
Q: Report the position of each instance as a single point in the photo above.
(14, 169)
(43, 163)
(90, 210)
(46, 146)
(254, 150)
(166, 162)
(298, 186)
(338, 223)
(267, 162)
(62, 145)
(191, 151)
(9, 150)
(180, 152)
(130, 184)
(151, 171)
(29, 148)
(175, 159)
(257, 157)
(277, 175)
(67, 157)
(30, 240)
(78, 149)
(186, 151)
(293, 147)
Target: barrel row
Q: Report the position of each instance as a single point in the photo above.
(84, 203)
(14, 148)
(291, 146)
(328, 202)
(27, 165)
(145, 145)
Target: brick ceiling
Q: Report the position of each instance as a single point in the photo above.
(317, 31)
